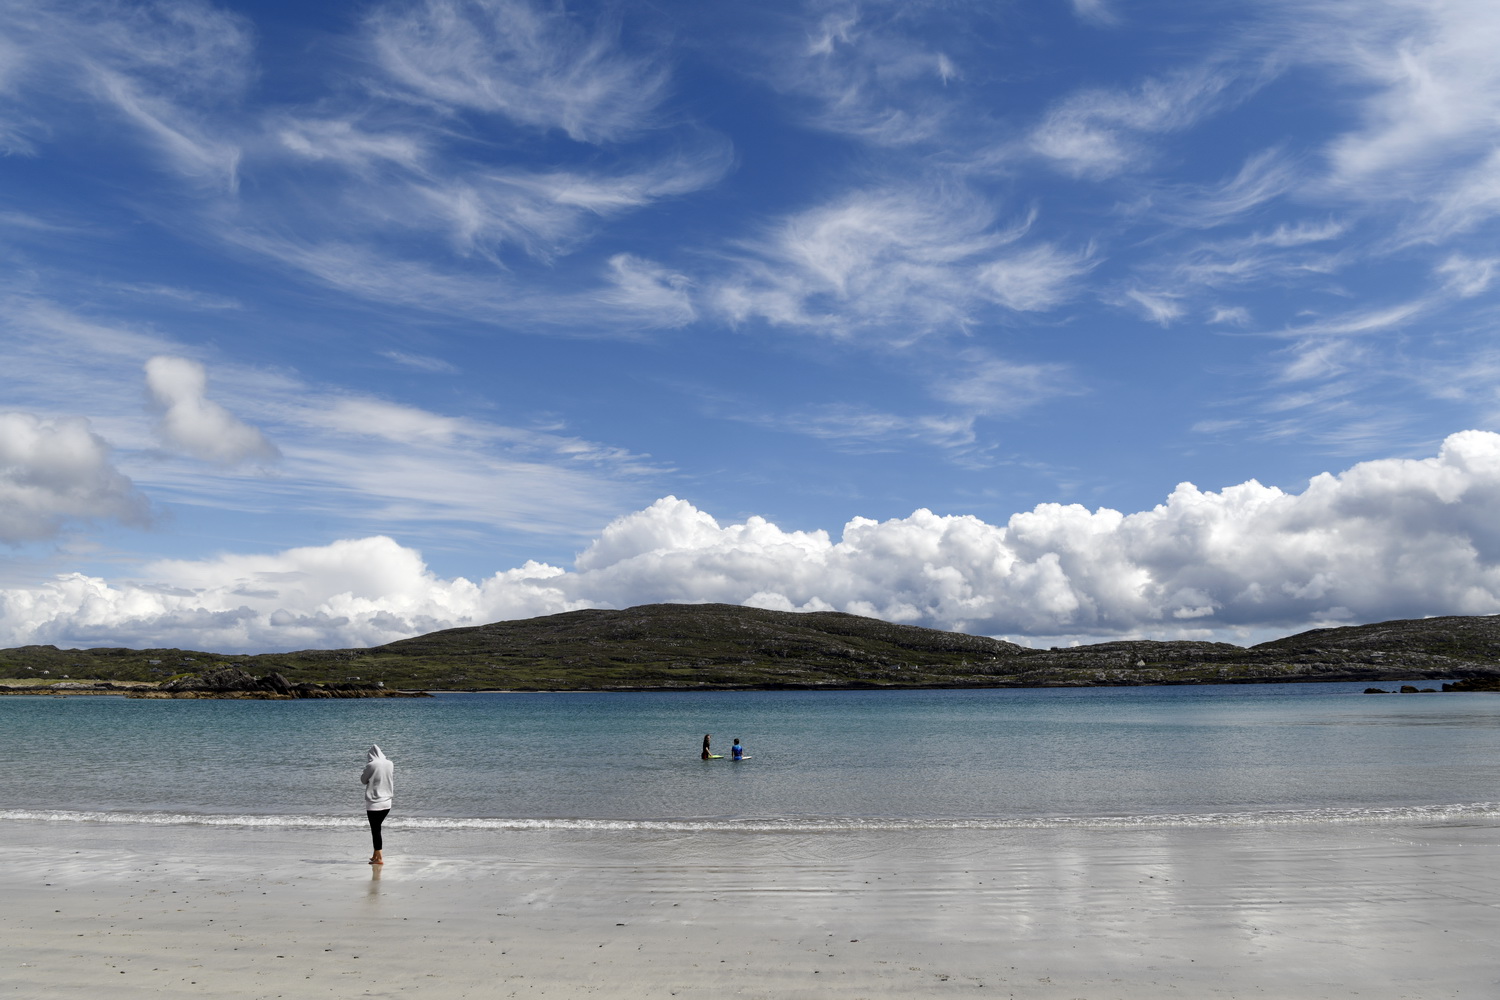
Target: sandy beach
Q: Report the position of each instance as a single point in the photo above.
(1297, 911)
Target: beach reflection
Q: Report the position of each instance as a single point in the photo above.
(1295, 911)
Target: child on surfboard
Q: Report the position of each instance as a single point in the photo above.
(737, 752)
(708, 754)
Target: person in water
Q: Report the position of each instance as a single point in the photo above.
(706, 752)
(737, 752)
(379, 781)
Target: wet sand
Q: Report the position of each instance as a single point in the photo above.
(1365, 910)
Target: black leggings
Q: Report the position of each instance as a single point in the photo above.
(377, 817)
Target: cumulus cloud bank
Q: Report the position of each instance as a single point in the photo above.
(54, 471)
(196, 425)
(1384, 539)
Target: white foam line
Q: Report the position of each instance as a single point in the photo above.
(1374, 814)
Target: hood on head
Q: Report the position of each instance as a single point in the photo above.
(374, 754)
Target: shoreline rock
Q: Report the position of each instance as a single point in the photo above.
(234, 683)
(1474, 684)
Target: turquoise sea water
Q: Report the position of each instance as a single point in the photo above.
(1107, 756)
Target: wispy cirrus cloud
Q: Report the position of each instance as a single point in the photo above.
(1097, 132)
(627, 294)
(1427, 94)
(1286, 251)
(1096, 12)
(873, 259)
(421, 362)
(895, 264)
(1361, 321)
(364, 187)
(982, 384)
(659, 296)
(859, 428)
(862, 70)
(473, 218)
(532, 63)
(1232, 315)
(188, 298)
(1158, 305)
(544, 213)
(968, 386)
(1263, 177)
(161, 68)
(352, 143)
(1468, 276)
(1468, 201)
(1035, 279)
(1432, 85)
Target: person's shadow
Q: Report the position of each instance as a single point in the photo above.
(374, 891)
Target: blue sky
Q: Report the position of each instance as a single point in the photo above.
(332, 325)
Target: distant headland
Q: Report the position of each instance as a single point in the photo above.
(676, 647)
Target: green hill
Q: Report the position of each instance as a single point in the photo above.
(721, 646)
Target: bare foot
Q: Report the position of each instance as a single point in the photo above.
(376, 859)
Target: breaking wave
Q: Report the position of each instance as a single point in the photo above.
(1429, 814)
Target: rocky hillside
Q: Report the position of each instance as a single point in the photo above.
(720, 646)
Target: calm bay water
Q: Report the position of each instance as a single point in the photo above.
(1109, 756)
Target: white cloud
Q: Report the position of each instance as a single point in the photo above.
(359, 592)
(659, 296)
(901, 263)
(1434, 82)
(605, 194)
(185, 297)
(379, 463)
(1470, 198)
(533, 63)
(1317, 358)
(1098, 133)
(1428, 103)
(1364, 320)
(392, 421)
(188, 149)
(863, 73)
(1035, 279)
(1285, 253)
(345, 142)
(360, 268)
(986, 385)
(421, 362)
(854, 428)
(544, 213)
(1263, 177)
(1157, 306)
(973, 383)
(369, 191)
(1095, 12)
(156, 65)
(1385, 539)
(871, 258)
(1468, 276)
(442, 236)
(54, 471)
(192, 423)
(14, 126)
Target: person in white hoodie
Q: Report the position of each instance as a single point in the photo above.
(379, 782)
